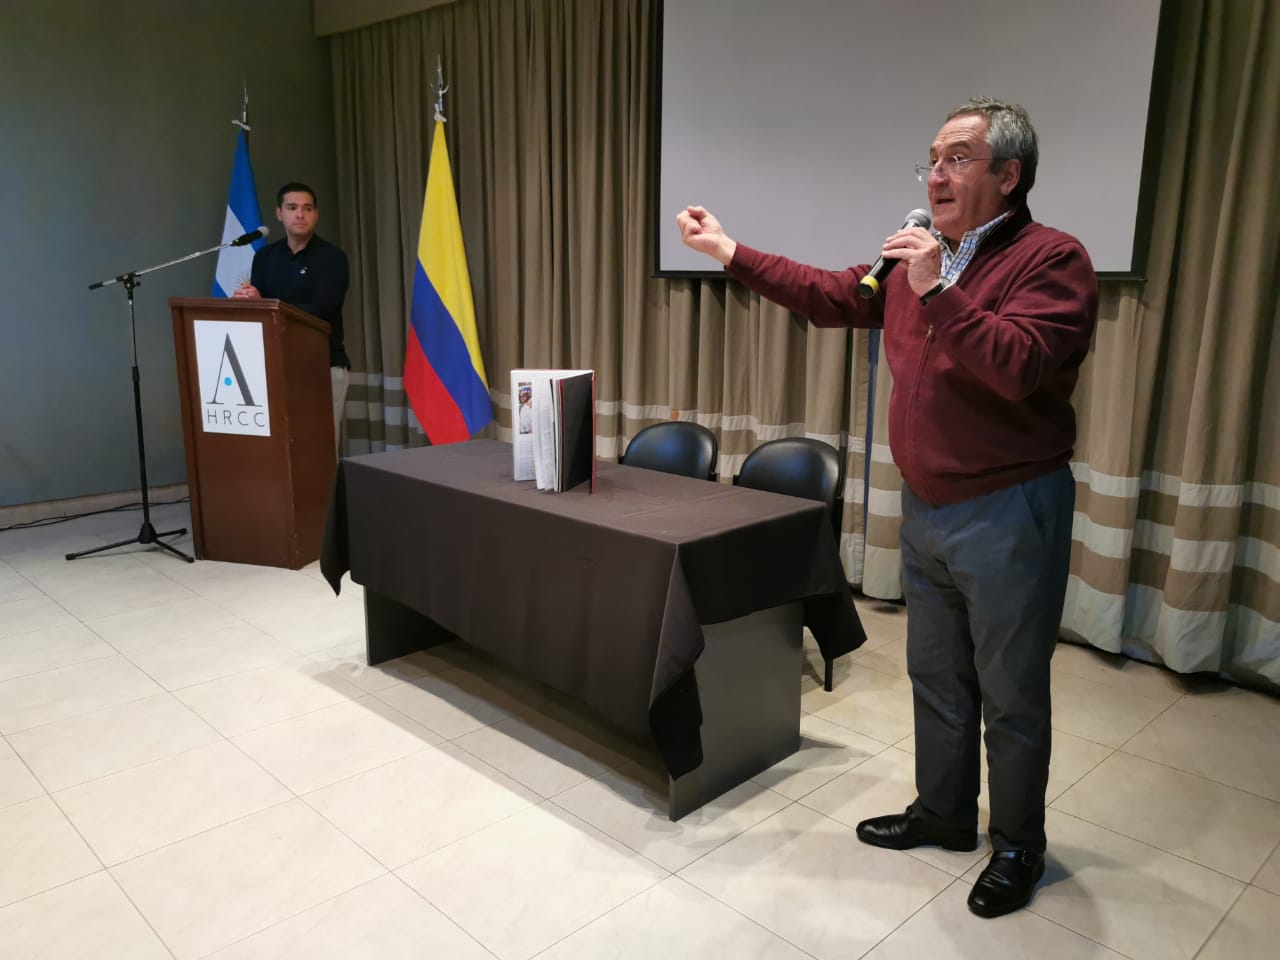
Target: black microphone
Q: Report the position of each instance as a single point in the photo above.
(869, 285)
(251, 236)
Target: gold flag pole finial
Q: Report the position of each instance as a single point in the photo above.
(440, 88)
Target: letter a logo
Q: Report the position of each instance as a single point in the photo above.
(229, 359)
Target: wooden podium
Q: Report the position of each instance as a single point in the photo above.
(257, 420)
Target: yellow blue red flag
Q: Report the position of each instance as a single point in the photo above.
(443, 371)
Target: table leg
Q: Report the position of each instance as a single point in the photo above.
(749, 688)
(391, 629)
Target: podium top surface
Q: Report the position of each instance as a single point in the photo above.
(226, 305)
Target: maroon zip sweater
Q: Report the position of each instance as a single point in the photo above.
(983, 375)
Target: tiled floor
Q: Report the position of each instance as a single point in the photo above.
(194, 762)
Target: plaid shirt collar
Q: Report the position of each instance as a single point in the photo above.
(953, 264)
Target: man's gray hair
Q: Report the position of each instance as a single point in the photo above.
(1010, 136)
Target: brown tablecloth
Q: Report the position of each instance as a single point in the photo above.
(600, 595)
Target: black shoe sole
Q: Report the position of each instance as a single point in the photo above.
(959, 846)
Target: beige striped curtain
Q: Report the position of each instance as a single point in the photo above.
(1178, 471)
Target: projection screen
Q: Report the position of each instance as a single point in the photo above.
(797, 122)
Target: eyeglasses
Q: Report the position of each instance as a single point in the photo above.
(951, 166)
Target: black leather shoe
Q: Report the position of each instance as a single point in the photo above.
(902, 831)
(1007, 883)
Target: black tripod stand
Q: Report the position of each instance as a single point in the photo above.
(147, 534)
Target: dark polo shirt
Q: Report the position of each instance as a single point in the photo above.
(314, 279)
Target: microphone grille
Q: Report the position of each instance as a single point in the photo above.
(265, 230)
(919, 218)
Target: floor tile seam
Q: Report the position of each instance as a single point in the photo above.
(23, 760)
(617, 907)
(1049, 801)
(288, 609)
(808, 793)
(47, 626)
(76, 829)
(788, 803)
(1274, 852)
(461, 929)
(1117, 686)
(853, 826)
(1120, 692)
(308, 652)
(50, 889)
(200, 833)
(1132, 736)
(1217, 926)
(35, 673)
(1192, 698)
(7, 557)
(421, 723)
(302, 795)
(917, 853)
(885, 672)
(596, 919)
(159, 643)
(1031, 908)
(62, 580)
(1202, 776)
(1148, 844)
(359, 773)
(58, 561)
(78, 716)
(254, 760)
(951, 881)
(104, 609)
(197, 683)
(89, 713)
(907, 919)
(295, 915)
(181, 565)
(543, 797)
(467, 836)
(559, 808)
(364, 695)
(312, 906)
(249, 813)
(137, 909)
(25, 579)
(134, 766)
(845, 726)
(305, 798)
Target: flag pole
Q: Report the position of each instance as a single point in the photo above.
(440, 88)
(234, 267)
(243, 122)
(444, 379)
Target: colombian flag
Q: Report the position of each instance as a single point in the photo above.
(443, 372)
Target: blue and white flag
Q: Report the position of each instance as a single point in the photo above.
(236, 263)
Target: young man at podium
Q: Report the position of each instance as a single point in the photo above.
(307, 272)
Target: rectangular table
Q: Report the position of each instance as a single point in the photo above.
(671, 606)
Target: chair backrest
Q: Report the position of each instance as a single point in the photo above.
(798, 467)
(676, 446)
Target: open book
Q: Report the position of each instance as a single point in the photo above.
(553, 428)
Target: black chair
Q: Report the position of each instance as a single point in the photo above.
(677, 446)
(798, 467)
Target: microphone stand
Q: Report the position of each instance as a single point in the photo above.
(147, 534)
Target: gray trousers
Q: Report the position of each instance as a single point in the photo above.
(984, 582)
(339, 380)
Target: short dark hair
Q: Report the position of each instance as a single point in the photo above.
(1010, 136)
(293, 186)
